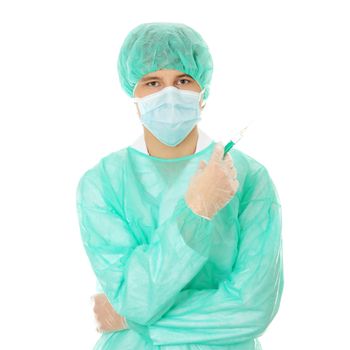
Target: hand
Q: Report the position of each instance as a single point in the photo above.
(107, 319)
(214, 184)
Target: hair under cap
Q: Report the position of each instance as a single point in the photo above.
(163, 45)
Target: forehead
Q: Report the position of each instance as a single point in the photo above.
(164, 73)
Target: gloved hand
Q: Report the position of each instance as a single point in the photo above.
(106, 318)
(213, 185)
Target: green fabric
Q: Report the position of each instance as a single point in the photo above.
(182, 280)
(163, 45)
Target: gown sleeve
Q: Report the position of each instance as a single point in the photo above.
(245, 303)
(141, 281)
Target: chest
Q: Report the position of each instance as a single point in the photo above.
(150, 200)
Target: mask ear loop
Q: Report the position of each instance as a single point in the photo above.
(200, 95)
(133, 90)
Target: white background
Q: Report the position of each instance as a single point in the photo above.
(284, 64)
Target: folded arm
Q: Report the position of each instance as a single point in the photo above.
(140, 281)
(245, 303)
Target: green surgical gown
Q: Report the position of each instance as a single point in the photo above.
(180, 280)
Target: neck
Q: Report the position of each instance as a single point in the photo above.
(158, 149)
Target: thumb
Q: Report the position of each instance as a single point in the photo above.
(218, 152)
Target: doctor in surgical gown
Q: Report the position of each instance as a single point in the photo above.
(221, 288)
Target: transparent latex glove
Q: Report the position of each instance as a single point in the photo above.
(106, 318)
(213, 185)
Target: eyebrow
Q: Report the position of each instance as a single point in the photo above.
(154, 77)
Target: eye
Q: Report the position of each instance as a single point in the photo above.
(189, 81)
(151, 83)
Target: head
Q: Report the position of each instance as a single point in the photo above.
(164, 51)
(155, 56)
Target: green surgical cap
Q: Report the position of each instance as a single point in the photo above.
(163, 45)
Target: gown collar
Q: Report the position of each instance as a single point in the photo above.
(204, 141)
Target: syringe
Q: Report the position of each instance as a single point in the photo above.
(231, 143)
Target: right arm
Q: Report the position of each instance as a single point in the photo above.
(140, 281)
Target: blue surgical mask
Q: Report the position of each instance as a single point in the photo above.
(170, 114)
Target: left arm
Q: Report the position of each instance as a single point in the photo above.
(245, 303)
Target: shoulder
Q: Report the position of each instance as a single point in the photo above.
(111, 162)
(246, 165)
(103, 177)
(253, 176)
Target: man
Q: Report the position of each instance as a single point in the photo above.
(183, 254)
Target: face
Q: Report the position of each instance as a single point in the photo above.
(156, 81)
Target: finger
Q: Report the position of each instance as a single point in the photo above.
(232, 189)
(228, 162)
(228, 158)
(233, 172)
(230, 170)
(109, 322)
(217, 153)
(109, 311)
(231, 180)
